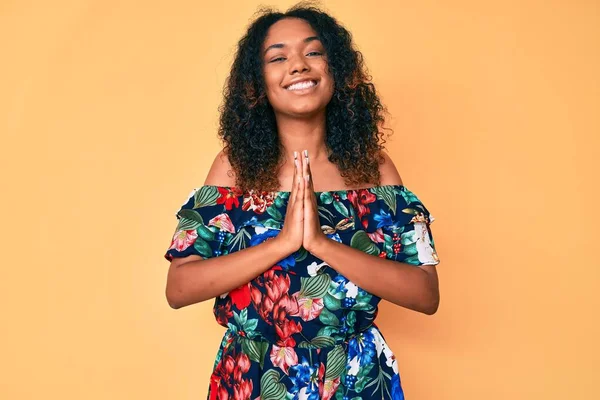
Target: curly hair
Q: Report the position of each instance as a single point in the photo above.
(247, 125)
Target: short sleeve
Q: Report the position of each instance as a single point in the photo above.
(199, 229)
(407, 234)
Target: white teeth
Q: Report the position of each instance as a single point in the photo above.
(301, 85)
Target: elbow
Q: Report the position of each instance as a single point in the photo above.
(172, 300)
(431, 306)
(174, 296)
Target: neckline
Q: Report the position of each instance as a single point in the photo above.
(397, 185)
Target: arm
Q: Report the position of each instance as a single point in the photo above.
(409, 286)
(403, 284)
(193, 279)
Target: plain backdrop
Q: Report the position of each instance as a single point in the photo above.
(108, 119)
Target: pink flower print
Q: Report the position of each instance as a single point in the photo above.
(309, 308)
(377, 236)
(283, 357)
(223, 222)
(183, 239)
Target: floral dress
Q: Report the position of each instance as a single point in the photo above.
(301, 330)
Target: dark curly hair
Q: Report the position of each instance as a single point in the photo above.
(247, 125)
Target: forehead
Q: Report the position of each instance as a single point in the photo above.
(288, 31)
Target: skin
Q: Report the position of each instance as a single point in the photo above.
(301, 125)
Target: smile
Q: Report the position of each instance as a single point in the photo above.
(302, 86)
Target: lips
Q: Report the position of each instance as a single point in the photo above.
(316, 82)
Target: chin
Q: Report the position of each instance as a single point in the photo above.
(304, 111)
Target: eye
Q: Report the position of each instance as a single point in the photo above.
(275, 59)
(315, 52)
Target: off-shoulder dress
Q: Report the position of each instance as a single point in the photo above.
(301, 330)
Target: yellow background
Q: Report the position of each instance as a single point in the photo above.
(108, 116)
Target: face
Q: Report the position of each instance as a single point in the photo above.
(292, 54)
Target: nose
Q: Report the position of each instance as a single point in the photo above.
(298, 64)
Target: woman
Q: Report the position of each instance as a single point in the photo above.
(312, 231)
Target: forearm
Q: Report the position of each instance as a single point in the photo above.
(400, 283)
(200, 280)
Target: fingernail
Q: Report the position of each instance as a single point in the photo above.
(305, 153)
(295, 155)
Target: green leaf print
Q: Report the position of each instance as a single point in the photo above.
(279, 200)
(250, 327)
(333, 292)
(409, 196)
(328, 318)
(407, 238)
(205, 233)
(314, 287)
(326, 198)
(329, 331)
(202, 247)
(240, 318)
(362, 378)
(270, 387)
(341, 208)
(414, 260)
(302, 254)
(206, 196)
(388, 194)
(251, 349)
(274, 212)
(318, 342)
(351, 318)
(361, 241)
(363, 297)
(190, 215)
(410, 249)
(187, 224)
(331, 303)
(336, 363)
(271, 223)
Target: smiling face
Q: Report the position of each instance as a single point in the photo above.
(295, 69)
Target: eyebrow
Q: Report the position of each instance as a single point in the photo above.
(281, 45)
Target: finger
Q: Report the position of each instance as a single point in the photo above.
(295, 180)
(305, 163)
(305, 174)
(302, 184)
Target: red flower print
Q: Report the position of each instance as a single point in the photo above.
(223, 313)
(183, 239)
(258, 202)
(227, 378)
(274, 306)
(229, 197)
(359, 200)
(240, 297)
(285, 329)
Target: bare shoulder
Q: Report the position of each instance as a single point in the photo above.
(220, 173)
(388, 171)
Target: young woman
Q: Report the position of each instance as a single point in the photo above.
(311, 231)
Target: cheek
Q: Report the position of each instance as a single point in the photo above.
(271, 79)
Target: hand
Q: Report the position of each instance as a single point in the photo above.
(312, 233)
(292, 232)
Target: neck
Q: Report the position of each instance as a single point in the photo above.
(298, 134)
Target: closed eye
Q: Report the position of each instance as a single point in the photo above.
(312, 52)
